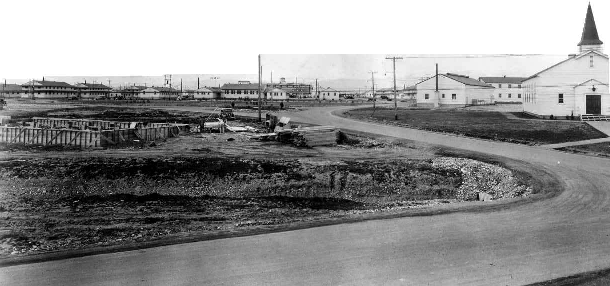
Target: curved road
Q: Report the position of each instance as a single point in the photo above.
(561, 236)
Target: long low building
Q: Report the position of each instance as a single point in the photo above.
(48, 89)
(452, 90)
(92, 90)
(204, 93)
(241, 90)
(159, 93)
(11, 90)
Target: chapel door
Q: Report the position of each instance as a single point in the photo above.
(594, 104)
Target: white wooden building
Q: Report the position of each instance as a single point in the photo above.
(48, 89)
(329, 94)
(241, 90)
(92, 90)
(452, 90)
(204, 93)
(575, 86)
(159, 93)
(275, 94)
(507, 88)
(11, 90)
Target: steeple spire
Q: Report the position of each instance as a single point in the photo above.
(589, 31)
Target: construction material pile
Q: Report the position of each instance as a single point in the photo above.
(309, 136)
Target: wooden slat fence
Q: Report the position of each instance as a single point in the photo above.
(44, 136)
(80, 123)
(85, 138)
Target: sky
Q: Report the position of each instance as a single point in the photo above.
(153, 38)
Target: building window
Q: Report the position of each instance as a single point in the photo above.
(499, 95)
(499, 85)
(509, 95)
(510, 85)
(427, 96)
(561, 98)
(454, 96)
(443, 95)
(591, 60)
(519, 86)
(519, 95)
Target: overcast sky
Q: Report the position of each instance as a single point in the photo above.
(102, 38)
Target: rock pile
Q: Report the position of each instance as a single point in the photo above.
(482, 180)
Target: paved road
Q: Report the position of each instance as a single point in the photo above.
(567, 234)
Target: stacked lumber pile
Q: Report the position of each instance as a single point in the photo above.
(309, 136)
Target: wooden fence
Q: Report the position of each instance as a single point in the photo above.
(81, 123)
(87, 138)
(43, 136)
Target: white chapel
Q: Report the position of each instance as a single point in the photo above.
(576, 86)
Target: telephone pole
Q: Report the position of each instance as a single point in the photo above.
(394, 67)
(260, 77)
(317, 95)
(373, 89)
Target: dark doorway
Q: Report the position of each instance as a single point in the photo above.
(594, 104)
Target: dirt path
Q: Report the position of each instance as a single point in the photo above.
(565, 235)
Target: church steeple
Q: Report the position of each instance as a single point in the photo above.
(590, 40)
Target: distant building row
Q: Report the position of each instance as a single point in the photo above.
(56, 89)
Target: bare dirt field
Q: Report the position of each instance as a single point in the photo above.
(55, 198)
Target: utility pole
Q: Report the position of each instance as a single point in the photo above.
(260, 77)
(316, 92)
(373, 90)
(394, 67)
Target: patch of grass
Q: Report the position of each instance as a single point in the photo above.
(484, 124)
(594, 278)
(600, 149)
(524, 115)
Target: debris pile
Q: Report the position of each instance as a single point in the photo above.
(315, 136)
(482, 181)
(309, 136)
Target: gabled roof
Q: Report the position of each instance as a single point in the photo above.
(588, 81)
(591, 51)
(92, 85)
(272, 89)
(589, 31)
(466, 80)
(203, 88)
(10, 87)
(503, 79)
(134, 87)
(163, 89)
(569, 58)
(329, 89)
(47, 83)
(243, 86)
